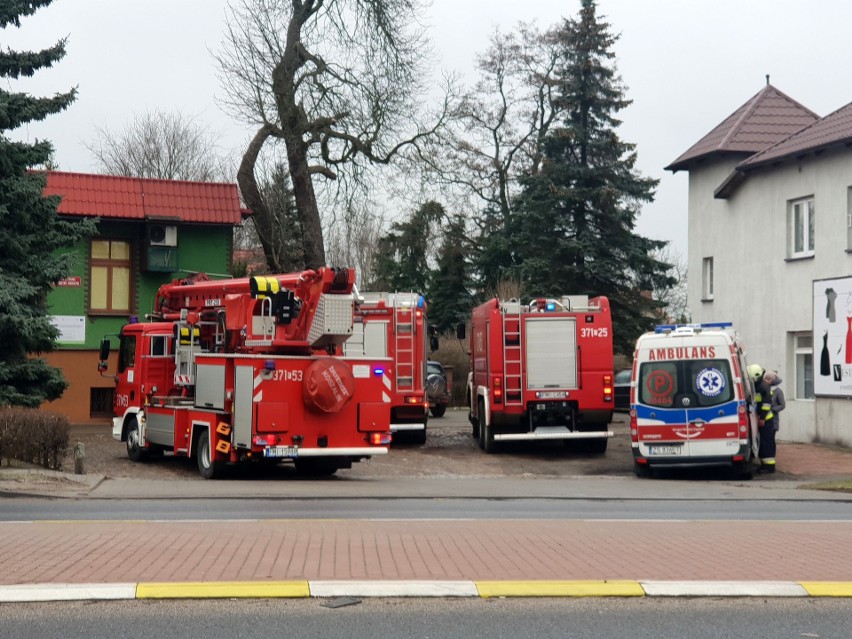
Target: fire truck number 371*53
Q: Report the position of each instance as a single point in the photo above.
(251, 369)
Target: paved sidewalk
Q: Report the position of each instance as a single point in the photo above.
(500, 558)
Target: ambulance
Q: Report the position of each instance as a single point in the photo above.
(691, 400)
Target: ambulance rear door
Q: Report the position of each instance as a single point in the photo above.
(686, 408)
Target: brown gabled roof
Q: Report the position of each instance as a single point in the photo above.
(835, 129)
(767, 118)
(111, 196)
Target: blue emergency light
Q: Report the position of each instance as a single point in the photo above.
(378, 372)
(662, 328)
(551, 306)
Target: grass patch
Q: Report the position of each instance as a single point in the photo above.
(841, 486)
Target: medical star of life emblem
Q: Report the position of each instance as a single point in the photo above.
(710, 382)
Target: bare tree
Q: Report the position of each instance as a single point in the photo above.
(673, 296)
(157, 144)
(352, 241)
(338, 81)
(495, 136)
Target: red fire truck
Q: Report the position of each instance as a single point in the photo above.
(394, 325)
(249, 369)
(541, 370)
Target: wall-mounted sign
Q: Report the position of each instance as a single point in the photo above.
(72, 328)
(73, 281)
(833, 337)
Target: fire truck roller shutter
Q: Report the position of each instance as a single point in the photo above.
(328, 385)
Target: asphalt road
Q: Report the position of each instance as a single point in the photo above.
(433, 619)
(401, 508)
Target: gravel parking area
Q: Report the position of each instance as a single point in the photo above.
(450, 451)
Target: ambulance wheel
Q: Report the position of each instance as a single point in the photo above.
(207, 466)
(135, 451)
(641, 470)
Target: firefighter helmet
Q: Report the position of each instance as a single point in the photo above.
(755, 371)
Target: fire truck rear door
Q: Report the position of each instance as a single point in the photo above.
(551, 352)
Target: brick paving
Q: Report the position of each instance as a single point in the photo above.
(133, 551)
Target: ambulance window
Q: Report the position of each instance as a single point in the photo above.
(658, 383)
(711, 381)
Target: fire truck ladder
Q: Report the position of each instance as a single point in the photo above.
(403, 330)
(513, 369)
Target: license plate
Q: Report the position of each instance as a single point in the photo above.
(551, 395)
(665, 450)
(281, 451)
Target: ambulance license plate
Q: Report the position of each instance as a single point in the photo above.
(665, 450)
(281, 451)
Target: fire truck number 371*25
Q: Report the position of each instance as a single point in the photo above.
(542, 370)
(251, 369)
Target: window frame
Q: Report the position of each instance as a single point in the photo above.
(800, 385)
(808, 228)
(707, 275)
(111, 264)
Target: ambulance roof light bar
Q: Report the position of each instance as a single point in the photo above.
(668, 328)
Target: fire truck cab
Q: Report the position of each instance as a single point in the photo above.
(394, 325)
(691, 399)
(541, 370)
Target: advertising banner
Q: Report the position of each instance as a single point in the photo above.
(833, 337)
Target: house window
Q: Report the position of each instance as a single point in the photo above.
(109, 281)
(803, 350)
(707, 279)
(801, 228)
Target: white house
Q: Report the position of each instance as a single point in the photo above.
(770, 233)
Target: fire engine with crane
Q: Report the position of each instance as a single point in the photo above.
(394, 325)
(541, 371)
(245, 369)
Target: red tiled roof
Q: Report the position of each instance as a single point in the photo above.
(835, 129)
(767, 118)
(129, 198)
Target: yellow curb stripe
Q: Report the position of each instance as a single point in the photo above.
(222, 590)
(546, 588)
(827, 588)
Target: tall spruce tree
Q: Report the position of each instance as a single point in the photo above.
(450, 299)
(574, 228)
(402, 254)
(30, 228)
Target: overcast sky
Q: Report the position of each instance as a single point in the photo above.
(687, 64)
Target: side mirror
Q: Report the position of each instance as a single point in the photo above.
(104, 352)
(460, 331)
(433, 343)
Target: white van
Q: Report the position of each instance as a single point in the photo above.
(691, 400)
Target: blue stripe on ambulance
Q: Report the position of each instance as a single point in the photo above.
(678, 415)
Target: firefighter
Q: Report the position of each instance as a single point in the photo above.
(770, 402)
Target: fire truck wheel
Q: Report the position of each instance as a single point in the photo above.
(597, 446)
(480, 430)
(315, 467)
(438, 410)
(134, 448)
(207, 466)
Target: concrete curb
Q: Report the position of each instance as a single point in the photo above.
(25, 593)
